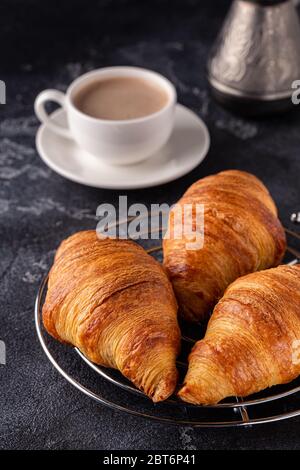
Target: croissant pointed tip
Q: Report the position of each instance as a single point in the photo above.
(166, 387)
(193, 395)
(184, 394)
(181, 391)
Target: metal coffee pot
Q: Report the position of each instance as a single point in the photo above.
(256, 57)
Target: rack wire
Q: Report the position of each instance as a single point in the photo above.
(109, 388)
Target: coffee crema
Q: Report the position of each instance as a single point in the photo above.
(121, 98)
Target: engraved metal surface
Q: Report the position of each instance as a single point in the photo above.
(256, 54)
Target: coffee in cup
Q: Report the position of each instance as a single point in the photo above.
(121, 98)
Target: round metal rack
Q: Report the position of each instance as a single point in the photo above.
(108, 387)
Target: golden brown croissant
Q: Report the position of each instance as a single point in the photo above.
(252, 339)
(242, 234)
(115, 303)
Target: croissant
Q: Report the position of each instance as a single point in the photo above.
(252, 340)
(115, 303)
(242, 234)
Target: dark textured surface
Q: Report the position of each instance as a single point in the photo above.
(48, 45)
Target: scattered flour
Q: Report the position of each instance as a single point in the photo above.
(15, 127)
(40, 206)
(185, 439)
(239, 128)
(4, 206)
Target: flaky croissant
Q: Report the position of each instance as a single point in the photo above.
(252, 340)
(115, 303)
(242, 234)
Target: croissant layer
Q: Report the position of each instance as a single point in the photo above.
(242, 234)
(252, 340)
(115, 303)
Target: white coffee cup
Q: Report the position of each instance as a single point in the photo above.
(115, 142)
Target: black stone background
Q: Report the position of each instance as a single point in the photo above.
(47, 44)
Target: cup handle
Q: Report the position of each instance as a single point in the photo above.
(40, 111)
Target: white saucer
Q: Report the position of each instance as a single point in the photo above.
(186, 148)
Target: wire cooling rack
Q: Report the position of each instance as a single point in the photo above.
(109, 388)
